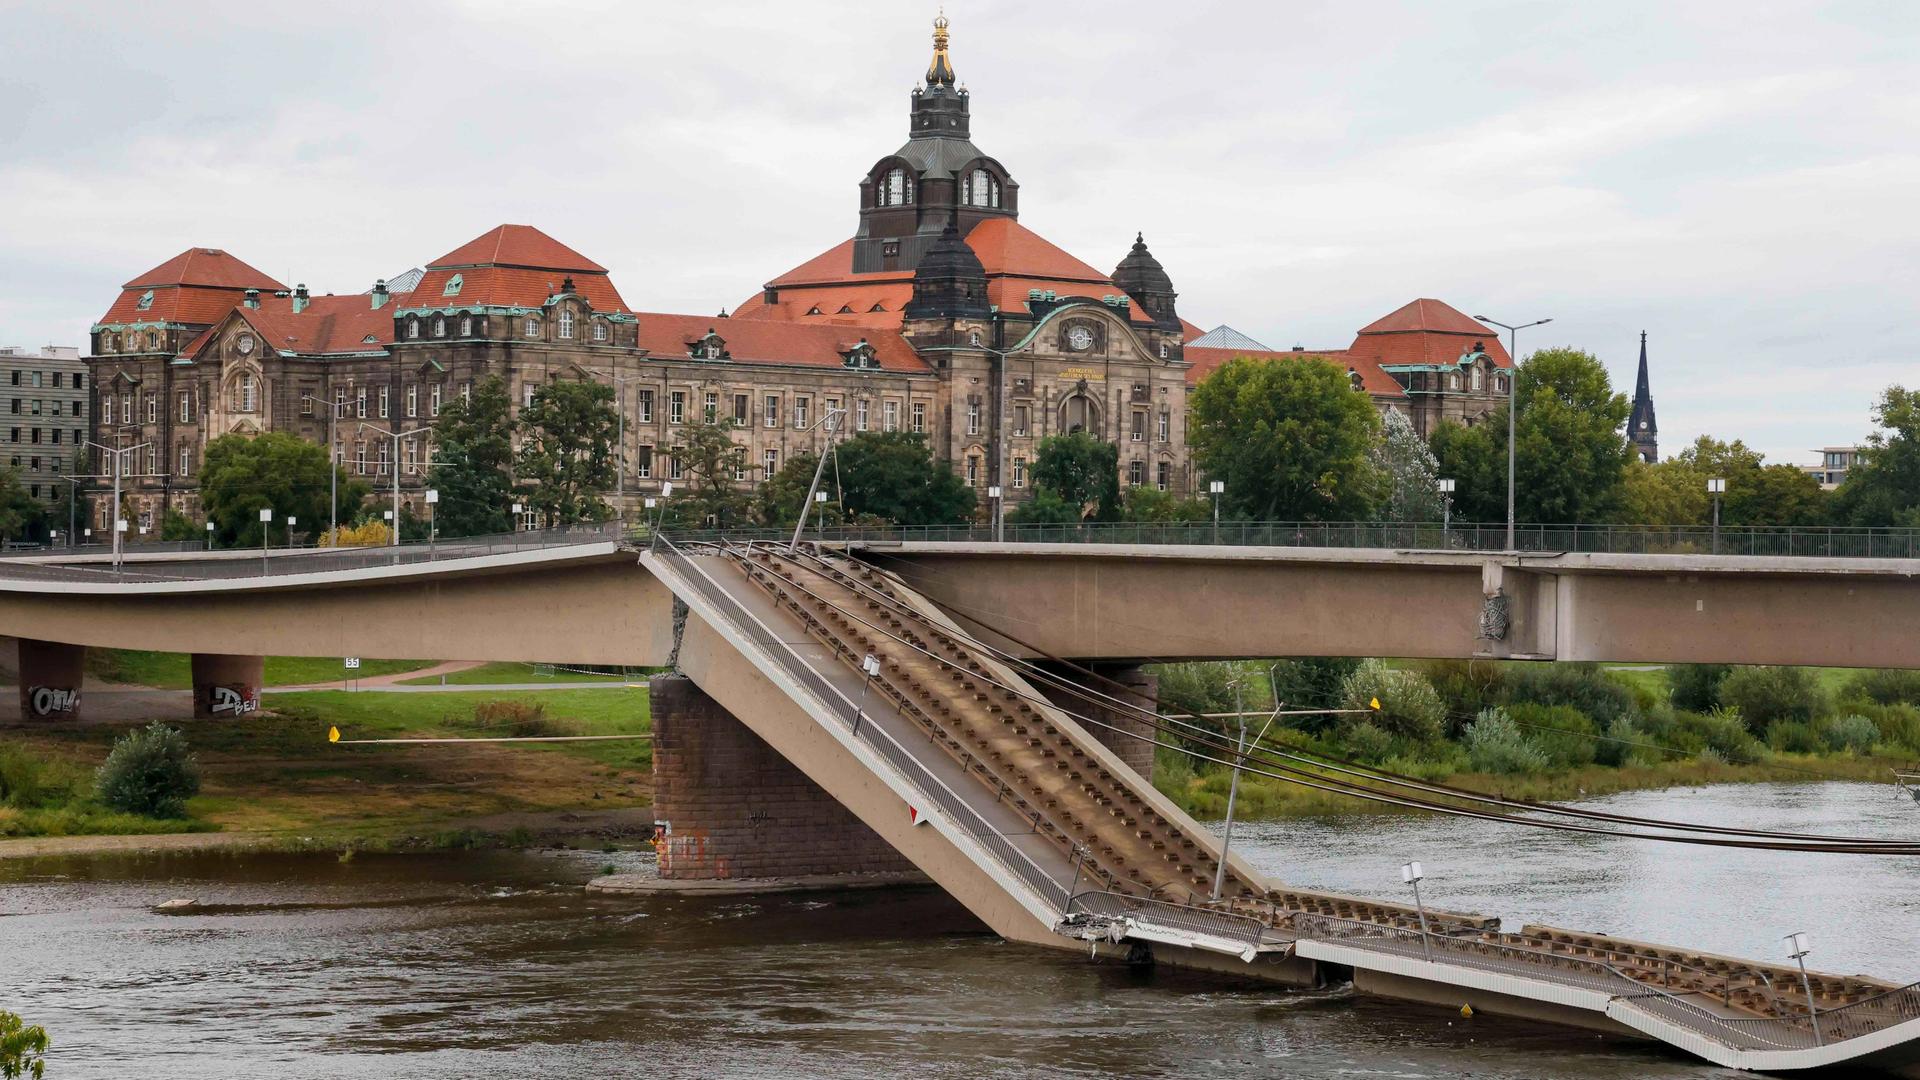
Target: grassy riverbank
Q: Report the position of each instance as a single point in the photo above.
(277, 773)
(173, 671)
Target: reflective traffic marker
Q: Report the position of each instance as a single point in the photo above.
(1374, 704)
(333, 734)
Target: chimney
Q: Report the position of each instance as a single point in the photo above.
(380, 295)
(252, 298)
(300, 299)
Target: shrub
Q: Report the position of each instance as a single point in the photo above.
(1466, 687)
(23, 778)
(1722, 732)
(1696, 687)
(23, 1048)
(1885, 686)
(522, 718)
(1312, 682)
(1366, 742)
(1583, 686)
(1561, 732)
(1495, 744)
(150, 772)
(1765, 694)
(1794, 737)
(1852, 734)
(1899, 724)
(1409, 706)
(1626, 745)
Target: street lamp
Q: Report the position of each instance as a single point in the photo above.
(394, 460)
(620, 461)
(1716, 487)
(209, 536)
(1798, 949)
(119, 455)
(1215, 487)
(291, 522)
(993, 495)
(1446, 512)
(1513, 397)
(820, 501)
(335, 410)
(869, 667)
(433, 500)
(1411, 874)
(266, 518)
(830, 420)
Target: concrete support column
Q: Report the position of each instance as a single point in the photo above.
(727, 805)
(226, 687)
(50, 676)
(1119, 728)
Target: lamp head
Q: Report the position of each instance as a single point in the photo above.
(1411, 873)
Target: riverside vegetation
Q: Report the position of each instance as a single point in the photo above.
(1540, 731)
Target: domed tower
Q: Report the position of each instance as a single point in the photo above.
(949, 283)
(938, 178)
(1144, 279)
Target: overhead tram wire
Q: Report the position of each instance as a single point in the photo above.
(1321, 758)
(1335, 785)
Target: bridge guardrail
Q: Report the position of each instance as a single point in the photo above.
(1196, 920)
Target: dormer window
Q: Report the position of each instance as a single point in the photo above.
(453, 286)
(599, 330)
(974, 339)
(1164, 351)
(413, 328)
(983, 189)
(439, 327)
(877, 307)
(861, 357)
(153, 339)
(566, 323)
(896, 188)
(106, 343)
(466, 325)
(146, 301)
(1354, 378)
(711, 347)
(533, 327)
(1479, 377)
(815, 310)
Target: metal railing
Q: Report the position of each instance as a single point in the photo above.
(1768, 541)
(1189, 918)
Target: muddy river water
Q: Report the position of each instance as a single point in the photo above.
(498, 964)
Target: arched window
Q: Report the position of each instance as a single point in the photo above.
(533, 327)
(983, 189)
(248, 392)
(896, 188)
(413, 328)
(599, 330)
(1478, 377)
(439, 327)
(153, 339)
(466, 326)
(566, 322)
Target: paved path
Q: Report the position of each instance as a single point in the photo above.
(371, 682)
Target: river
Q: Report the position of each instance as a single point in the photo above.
(496, 963)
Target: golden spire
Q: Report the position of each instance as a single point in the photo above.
(940, 72)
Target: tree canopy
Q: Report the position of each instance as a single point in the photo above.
(891, 475)
(279, 471)
(21, 515)
(1883, 484)
(711, 463)
(566, 452)
(1674, 492)
(473, 461)
(1409, 471)
(1076, 477)
(1292, 440)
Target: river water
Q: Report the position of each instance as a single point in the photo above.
(468, 964)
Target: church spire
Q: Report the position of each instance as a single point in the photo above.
(940, 71)
(1642, 429)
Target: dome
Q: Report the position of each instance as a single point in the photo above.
(950, 282)
(1140, 273)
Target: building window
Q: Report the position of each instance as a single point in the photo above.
(566, 323)
(896, 188)
(466, 326)
(599, 330)
(526, 395)
(740, 416)
(466, 394)
(973, 418)
(1019, 472)
(645, 407)
(382, 469)
(1163, 350)
(920, 417)
(153, 469)
(675, 467)
(710, 409)
(360, 403)
(360, 457)
(1019, 419)
(433, 400)
(1139, 430)
(452, 287)
(439, 326)
(772, 418)
(1136, 472)
(413, 328)
(409, 456)
(1166, 424)
(1166, 476)
(153, 408)
(247, 393)
(533, 327)
(860, 410)
(677, 407)
(413, 400)
(769, 463)
(383, 403)
(800, 412)
(973, 470)
(983, 189)
(643, 462)
(126, 408)
(186, 407)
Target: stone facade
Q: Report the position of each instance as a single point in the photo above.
(727, 805)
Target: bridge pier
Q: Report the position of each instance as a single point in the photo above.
(728, 806)
(226, 687)
(50, 676)
(1127, 734)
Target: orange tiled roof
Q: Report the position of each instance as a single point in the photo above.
(1375, 381)
(512, 286)
(1007, 247)
(774, 341)
(1426, 332)
(329, 325)
(195, 287)
(205, 266)
(517, 245)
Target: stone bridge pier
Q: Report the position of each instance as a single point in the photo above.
(226, 687)
(50, 676)
(1121, 730)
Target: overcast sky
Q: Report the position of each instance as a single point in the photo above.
(1739, 180)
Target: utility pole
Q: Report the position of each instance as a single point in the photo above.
(118, 453)
(830, 420)
(394, 461)
(334, 411)
(1233, 793)
(1513, 399)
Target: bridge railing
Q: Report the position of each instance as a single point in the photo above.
(1167, 914)
(1763, 541)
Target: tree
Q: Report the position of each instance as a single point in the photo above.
(1571, 460)
(891, 476)
(1674, 492)
(1410, 471)
(778, 501)
(21, 515)
(1081, 471)
(1883, 484)
(1667, 493)
(713, 462)
(277, 471)
(566, 452)
(473, 453)
(1144, 502)
(175, 525)
(1291, 440)
(149, 771)
(23, 1048)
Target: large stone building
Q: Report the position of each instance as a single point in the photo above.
(942, 315)
(46, 417)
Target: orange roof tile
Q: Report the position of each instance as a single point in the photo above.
(205, 266)
(329, 325)
(773, 341)
(511, 286)
(188, 305)
(1375, 381)
(517, 245)
(1007, 247)
(1426, 332)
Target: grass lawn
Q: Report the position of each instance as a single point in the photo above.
(512, 671)
(173, 671)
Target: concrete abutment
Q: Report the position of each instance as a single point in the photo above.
(50, 676)
(226, 687)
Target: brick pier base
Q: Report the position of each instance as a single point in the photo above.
(1142, 690)
(729, 806)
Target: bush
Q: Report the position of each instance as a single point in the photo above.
(1366, 742)
(1409, 707)
(1466, 687)
(1720, 735)
(1696, 687)
(23, 779)
(1885, 686)
(1583, 686)
(1899, 724)
(1626, 745)
(1765, 694)
(1851, 734)
(1312, 682)
(522, 718)
(1495, 744)
(150, 772)
(1794, 737)
(1561, 732)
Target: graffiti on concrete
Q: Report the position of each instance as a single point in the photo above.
(52, 700)
(232, 701)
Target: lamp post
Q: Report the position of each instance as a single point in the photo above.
(820, 502)
(1446, 512)
(291, 522)
(433, 530)
(620, 458)
(394, 461)
(209, 536)
(830, 420)
(869, 667)
(1233, 793)
(1513, 398)
(335, 409)
(266, 518)
(1215, 487)
(118, 454)
(1411, 874)
(993, 496)
(1798, 949)
(521, 508)
(1716, 487)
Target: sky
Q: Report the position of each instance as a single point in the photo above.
(1740, 181)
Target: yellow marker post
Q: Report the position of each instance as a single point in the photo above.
(333, 734)
(1375, 704)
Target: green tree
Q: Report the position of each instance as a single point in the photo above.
(1571, 460)
(566, 452)
(1144, 502)
(891, 476)
(777, 501)
(150, 771)
(22, 1048)
(1667, 493)
(1410, 471)
(1291, 439)
(22, 517)
(1883, 485)
(278, 471)
(1757, 493)
(1081, 471)
(175, 525)
(711, 497)
(473, 454)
